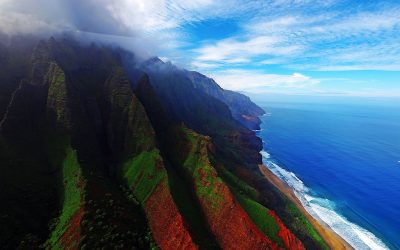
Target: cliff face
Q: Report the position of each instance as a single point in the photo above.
(226, 221)
(241, 107)
(79, 130)
(92, 157)
(186, 100)
(229, 223)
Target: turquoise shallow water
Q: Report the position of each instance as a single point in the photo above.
(343, 160)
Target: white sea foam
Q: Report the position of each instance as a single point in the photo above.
(265, 154)
(324, 210)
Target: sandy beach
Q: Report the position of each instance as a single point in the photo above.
(331, 238)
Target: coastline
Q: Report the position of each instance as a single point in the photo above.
(333, 240)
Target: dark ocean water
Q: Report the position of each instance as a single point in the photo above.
(343, 160)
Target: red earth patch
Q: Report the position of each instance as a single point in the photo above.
(289, 239)
(71, 237)
(165, 221)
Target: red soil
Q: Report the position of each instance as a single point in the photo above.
(231, 225)
(71, 237)
(289, 240)
(165, 221)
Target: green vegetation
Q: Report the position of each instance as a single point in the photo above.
(89, 112)
(111, 220)
(181, 191)
(142, 175)
(72, 196)
(247, 197)
(301, 222)
(241, 187)
(261, 218)
(204, 175)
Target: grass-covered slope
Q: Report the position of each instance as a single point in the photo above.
(271, 211)
(264, 218)
(186, 153)
(227, 220)
(95, 212)
(86, 162)
(142, 167)
(194, 177)
(80, 166)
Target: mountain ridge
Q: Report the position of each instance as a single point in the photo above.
(120, 145)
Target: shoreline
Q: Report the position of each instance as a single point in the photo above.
(332, 239)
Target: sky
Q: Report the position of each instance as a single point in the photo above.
(298, 47)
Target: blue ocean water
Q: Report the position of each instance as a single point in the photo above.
(343, 160)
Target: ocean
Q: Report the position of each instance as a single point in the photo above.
(342, 158)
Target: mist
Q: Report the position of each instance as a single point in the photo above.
(120, 23)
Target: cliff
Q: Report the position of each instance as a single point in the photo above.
(100, 151)
(241, 107)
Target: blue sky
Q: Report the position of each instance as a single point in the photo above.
(327, 47)
(332, 47)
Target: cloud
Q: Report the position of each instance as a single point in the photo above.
(156, 24)
(296, 34)
(258, 81)
(306, 35)
(237, 50)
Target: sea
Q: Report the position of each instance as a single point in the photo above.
(342, 158)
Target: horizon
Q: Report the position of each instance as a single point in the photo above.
(291, 47)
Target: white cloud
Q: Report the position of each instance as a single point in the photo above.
(382, 67)
(257, 81)
(322, 41)
(204, 66)
(236, 50)
(292, 33)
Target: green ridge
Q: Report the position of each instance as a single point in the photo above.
(301, 222)
(261, 218)
(142, 175)
(72, 196)
(259, 214)
(198, 165)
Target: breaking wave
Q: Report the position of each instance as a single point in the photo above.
(324, 210)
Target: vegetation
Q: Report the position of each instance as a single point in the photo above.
(301, 223)
(142, 175)
(203, 174)
(246, 196)
(73, 192)
(84, 153)
(260, 216)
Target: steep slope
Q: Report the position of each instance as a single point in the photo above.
(205, 114)
(88, 163)
(234, 147)
(29, 188)
(226, 220)
(143, 168)
(77, 129)
(242, 108)
(15, 55)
